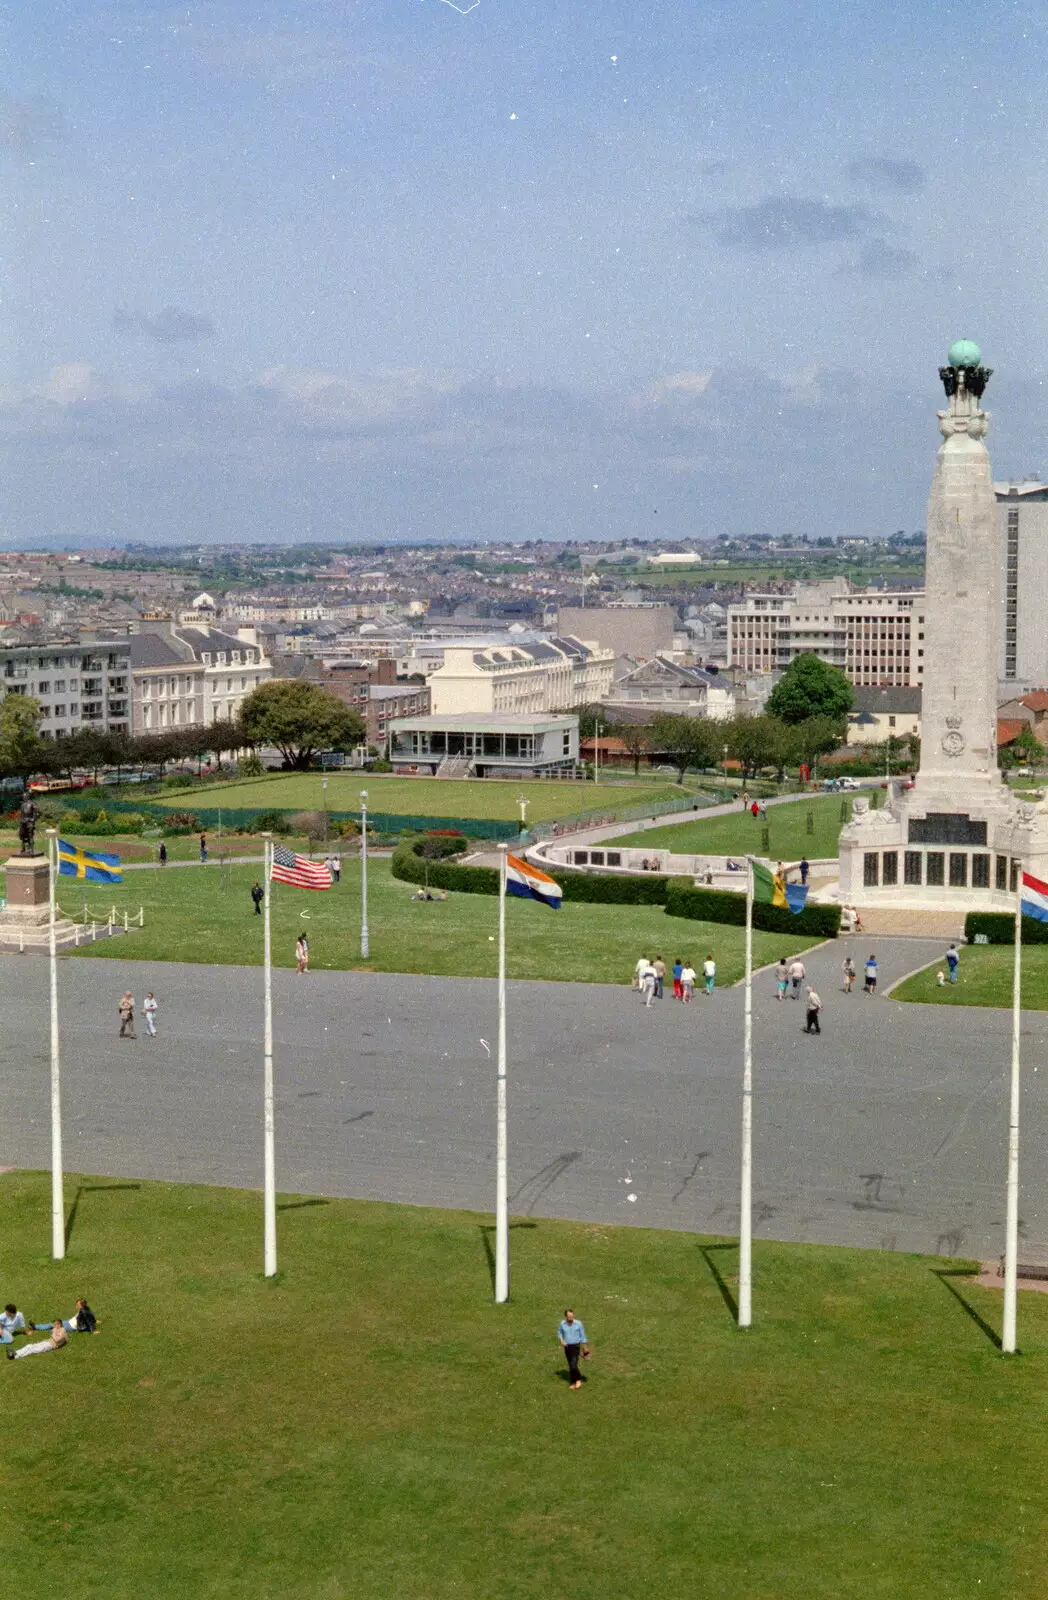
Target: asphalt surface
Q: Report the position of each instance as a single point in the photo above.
(887, 1131)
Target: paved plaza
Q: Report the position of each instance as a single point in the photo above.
(886, 1131)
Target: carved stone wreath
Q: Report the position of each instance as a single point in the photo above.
(953, 742)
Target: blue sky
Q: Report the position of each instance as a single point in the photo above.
(391, 271)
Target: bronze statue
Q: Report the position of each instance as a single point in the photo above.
(27, 820)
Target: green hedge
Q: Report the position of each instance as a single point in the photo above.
(408, 865)
(608, 891)
(723, 905)
(999, 928)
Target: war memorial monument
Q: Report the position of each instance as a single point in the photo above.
(957, 838)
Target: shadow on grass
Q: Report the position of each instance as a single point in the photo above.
(707, 1252)
(944, 1275)
(487, 1228)
(91, 1188)
(300, 1205)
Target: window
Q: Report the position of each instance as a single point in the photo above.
(1001, 879)
(59, 712)
(912, 867)
(935, 870)
(597, 858)
(59, 686)
(870, 864)
(890, 868)
(1013, 876)
(958, 870)
(614, 858)
(567, 744)
(43, 687)
(980, 872)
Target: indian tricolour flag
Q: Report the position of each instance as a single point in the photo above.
(771, 889)
(530, 884)
(1034, 898)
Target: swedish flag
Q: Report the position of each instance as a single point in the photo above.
(94, 865)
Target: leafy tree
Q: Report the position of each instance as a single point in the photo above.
(753, 742)
(637, 739)
(1024, 750)
(589, 718)
(300, 718)
(22, 750)
(818, 736)
(686, 741)
(808, 688)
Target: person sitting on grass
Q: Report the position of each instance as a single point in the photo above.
(83, 1320)
(58, 1340)
(11, 1322)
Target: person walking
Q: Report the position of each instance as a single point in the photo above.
(335, 867)
(163, 853)
(755, 810)
(804, 869)
(782, 979)
(678, 968)
(572, 1336)
(848, 968)
(687, 982)
(709, 972)
(953, 961)
(149, 1009)
(258, 894)
(127, 1016)
(647, 983)
(870, 986)
(811, 1015)
(302, 953)
(203, 847)
(796, 976)
(660, 976)
(642, 962)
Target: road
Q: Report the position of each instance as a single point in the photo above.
(887, 1131)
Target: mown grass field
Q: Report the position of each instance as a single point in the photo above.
(369, 1426)
(739, 834)
(422, 797)
(205, 914)
(984, 979)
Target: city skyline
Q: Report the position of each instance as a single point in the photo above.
(300, 272)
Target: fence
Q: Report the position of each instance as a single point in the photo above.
(612, 813)
(211, 817)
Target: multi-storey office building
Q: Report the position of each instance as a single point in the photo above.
(875, 636)
(1022, 509)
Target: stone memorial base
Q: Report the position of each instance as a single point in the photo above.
(25, 920)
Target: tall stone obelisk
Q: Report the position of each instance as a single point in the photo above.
(959, 837)
(959, 700)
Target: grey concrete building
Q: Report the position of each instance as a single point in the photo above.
(638, 631)
(77, 685)
(1022, 576)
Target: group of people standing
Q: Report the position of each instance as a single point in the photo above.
(649, 977)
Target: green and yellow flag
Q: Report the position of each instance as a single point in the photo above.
(771, 889)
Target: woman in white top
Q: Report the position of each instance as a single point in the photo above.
(687, 982)
(709, 972)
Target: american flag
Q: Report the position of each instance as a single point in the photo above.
(299, 870)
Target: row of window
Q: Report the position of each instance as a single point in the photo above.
(935, 869)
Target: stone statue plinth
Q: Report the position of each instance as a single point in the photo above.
(28, 894)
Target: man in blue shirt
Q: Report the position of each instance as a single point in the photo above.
(11, 1322)
(953, 961)
(572, 1336)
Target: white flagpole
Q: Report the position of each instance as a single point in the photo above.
(269, 1202)
(501, 1178)
(365, 946)
(57, 1198)
(1011, 1230)
(746, 1193)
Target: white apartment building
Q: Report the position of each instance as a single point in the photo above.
(521, 679)
(1022, 509)
(875, 636)
(184, 677)
(77, 685)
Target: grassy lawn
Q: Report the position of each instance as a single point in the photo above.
(985, 979)
(739, 833)
(205, 914)
(423, 797)
(370, 1425)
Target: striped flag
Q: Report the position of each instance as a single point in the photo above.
(530, 884)
(299, 871)
(1034, 898)
(771, 889)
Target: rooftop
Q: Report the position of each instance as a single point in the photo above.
(497, 722)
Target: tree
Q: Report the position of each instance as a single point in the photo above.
(300, 718)
(21, 747)
(810, 687)
(818, 736)
(589, 718)
(1024, 750)
(636, 736)
(753, 742)
(686, 741)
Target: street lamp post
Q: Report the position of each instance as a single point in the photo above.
(596, 752)
(365, 947)
(725, 772)
(323, 791)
